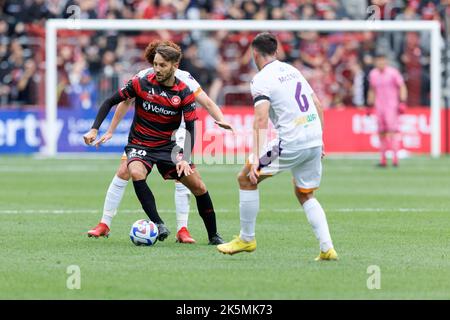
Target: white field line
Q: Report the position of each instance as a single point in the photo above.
(281, 210)
(57, 168)
(219, 168)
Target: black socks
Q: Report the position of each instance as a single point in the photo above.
(206, 211)
(147, 200)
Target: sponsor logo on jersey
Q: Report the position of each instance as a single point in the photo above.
(163, 94)
(305, 119)
(148, 106)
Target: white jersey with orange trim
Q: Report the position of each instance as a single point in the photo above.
(292, 109)
(293, 113)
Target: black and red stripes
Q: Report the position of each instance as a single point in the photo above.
(159, 109)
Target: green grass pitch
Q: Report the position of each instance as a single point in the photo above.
(396, 219)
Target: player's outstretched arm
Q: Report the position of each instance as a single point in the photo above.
(101, 115)
(120, 112)
(213, 109)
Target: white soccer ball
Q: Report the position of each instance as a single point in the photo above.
(144, 232)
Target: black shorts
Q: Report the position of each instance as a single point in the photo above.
(164, 159)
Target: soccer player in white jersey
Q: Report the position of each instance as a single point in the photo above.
(117, 186)
(281, 93)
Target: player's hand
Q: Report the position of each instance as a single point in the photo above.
(183, 167)
(225, 125)
(107, 136)
(254, 174)
(402, 108)
(90, 136)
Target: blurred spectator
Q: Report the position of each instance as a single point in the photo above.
(83, 93)
(193, 64)
(38, 12)
(88, 61)
(356, 9)
(409, 13)
(413, 70)
(307, 12)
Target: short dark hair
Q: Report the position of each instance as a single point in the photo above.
(265, 43)
(169, 53)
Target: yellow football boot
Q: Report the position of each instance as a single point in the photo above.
(329, 255)
(237, 245)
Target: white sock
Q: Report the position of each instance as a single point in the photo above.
(112, 200)
(317, 219)
(248, 207)
(182, 200)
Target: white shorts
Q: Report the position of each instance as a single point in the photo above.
(305, 164)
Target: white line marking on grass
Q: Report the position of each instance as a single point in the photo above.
(56, 168)
(388, 210)
(279, 210)
(90, 211)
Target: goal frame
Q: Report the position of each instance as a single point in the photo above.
(53, 25)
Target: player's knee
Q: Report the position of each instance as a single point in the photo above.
(244, 181)
(199, 188)
(137, 173)
(123, 172)
(303, 196)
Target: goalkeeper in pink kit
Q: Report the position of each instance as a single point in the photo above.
(388, 94)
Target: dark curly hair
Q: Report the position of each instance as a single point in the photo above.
(150, 51)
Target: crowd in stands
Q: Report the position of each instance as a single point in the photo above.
(92, 64)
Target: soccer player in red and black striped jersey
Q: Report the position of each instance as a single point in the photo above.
(161, 100)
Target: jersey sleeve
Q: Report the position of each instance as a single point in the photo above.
(260, 90)
(193, 85)
(188, 107)
(129, 90)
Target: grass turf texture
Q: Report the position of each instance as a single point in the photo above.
(397, 219)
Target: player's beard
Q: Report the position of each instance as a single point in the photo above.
(167, 77)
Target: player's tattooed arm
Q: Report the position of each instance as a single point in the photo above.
(106, 107)
(120, 112)
(101, 115)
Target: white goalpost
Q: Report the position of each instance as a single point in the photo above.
(53, 25)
